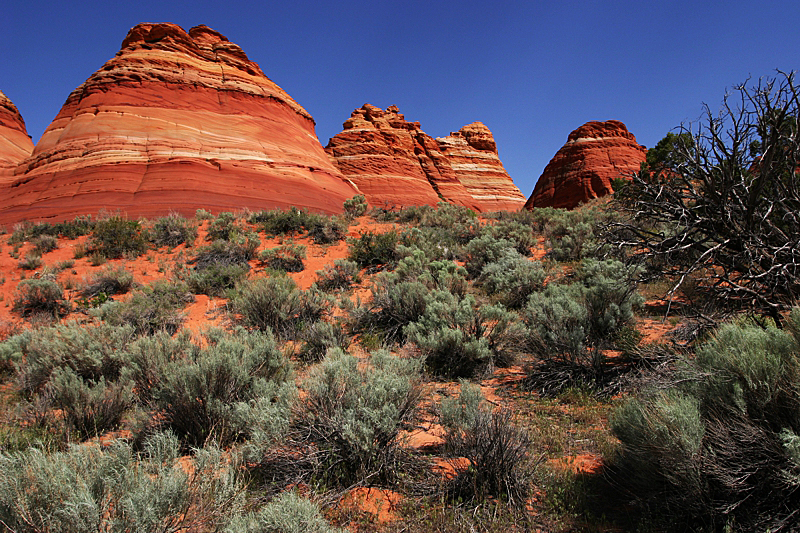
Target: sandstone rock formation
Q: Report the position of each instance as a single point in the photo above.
(174, 122)
(396, 164)
(472, 153)
(583, 168)
(15, 145)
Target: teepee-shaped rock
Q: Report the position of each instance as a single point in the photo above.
(15, 145)
(583, 168)
(174, 122)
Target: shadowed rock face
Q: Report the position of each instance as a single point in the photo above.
(15, 145)
(174, 122)
(395, 164)
(583, 168)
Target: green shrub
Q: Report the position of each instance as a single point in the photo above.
(483, 250)
(225, 227)
(441, 274)
(88, 407)
(80, 225)
(320, 337)
(512, 278)
(714, 446)
(202, 214)
(44, 243)
(286, 257)
(355, 206)
(341, 276)
(394, 305)
(499, 462)
(117, 237)
(277, 304)
(458, 339)
(237, 251)
(326, 230)
(353, 414)
(569, 326)
(110, 281)
(173, 230)
(89, 489)
(150, 309)
(32, 261)
(520, 234)
(238, 386)
(375, 249)
(91, 352)
(572, 235)
(217, 278)
(38, 296)
(279, 222)
(287, 513)
(222, 264)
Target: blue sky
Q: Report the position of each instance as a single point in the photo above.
(531, 71)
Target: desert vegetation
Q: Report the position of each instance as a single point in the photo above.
(624, 366)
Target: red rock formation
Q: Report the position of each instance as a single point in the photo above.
(15, 145)
(472, 153)
(582, 169)
(174, 122)
(395, 164)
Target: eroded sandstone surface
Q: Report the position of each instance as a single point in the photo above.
(174, 122)
(15, 145)
(583, 168)
(396, 164)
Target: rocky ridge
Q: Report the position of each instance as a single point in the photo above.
(396, 164)
(594, 155)
(175, 121)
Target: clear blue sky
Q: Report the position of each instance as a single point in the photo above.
(532, 71)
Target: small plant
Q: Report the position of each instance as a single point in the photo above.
(354, 413)
(115, 237)
(226, 226)
(355, 206)
(341, 276)
(150, 309)
(45, 243)
(97, 259)
(32, 261)
(287, 257)
(37, 296)
(172, 230)
(111, 280)
(89, 489)
(238, 386)
(277, 304)
(374, 249)
(286, 513)
(202, 214)
(216, 279)
(320, 337)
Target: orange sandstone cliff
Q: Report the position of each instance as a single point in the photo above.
(174, 122)
(15, 145)
(396, 164)
(583, 168)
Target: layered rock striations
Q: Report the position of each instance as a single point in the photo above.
(15, 144)
(472, 153)
(174, 122)
(583, 168)
(396, 164)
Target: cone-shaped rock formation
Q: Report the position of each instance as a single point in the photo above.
(583, 168)
(176, 121)
(472, 153)
(396, 164)
(15, 145)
